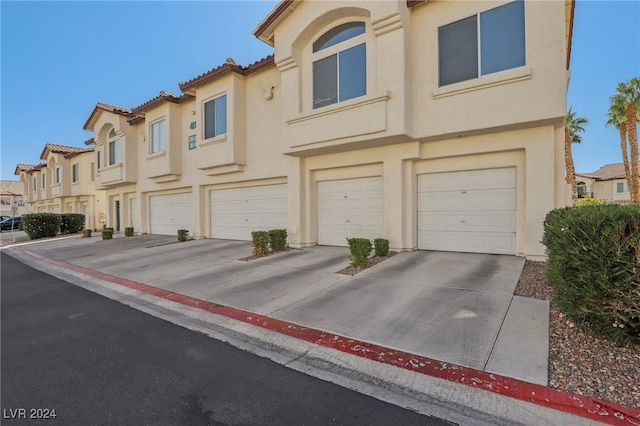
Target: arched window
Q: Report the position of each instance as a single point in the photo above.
(581, 188)
(340, 64)
(115, 155)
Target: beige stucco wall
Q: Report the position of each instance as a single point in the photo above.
(14, 187)
(125, 171)
(403, 127)
(530, 151)
(67, 196)
(534, 93)
(248, 155)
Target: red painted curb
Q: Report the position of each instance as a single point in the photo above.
(590, 408)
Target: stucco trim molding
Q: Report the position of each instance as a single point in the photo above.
(342, 106)
(286, 64)
(484, 82)
(386, 24)
(166, 178)
(223, 170)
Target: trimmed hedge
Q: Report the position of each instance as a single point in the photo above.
(381, 247)
(71, 223)
(40, 225)
(107, 233)
(359, 249)
(128, 231)
(260, 242)
(594, 267)
(278, 239)
(182, 234)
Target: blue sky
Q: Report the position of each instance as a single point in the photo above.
(59, 58)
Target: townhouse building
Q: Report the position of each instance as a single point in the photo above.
(63, 182)
(608, 183)
(11, 199)
(435, 124)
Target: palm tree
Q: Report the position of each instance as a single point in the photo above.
(617, 119)
(572, 128)
(623, 114)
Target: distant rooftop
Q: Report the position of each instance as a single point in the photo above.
(607, 172)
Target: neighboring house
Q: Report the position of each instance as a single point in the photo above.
(420, 122)
(64, 183)
(11, 196)
(608, 183)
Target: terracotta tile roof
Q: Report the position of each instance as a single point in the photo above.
(272, 17)
(9, 194)
(60, 149)
(135, 120)
(100, 106)
(28, 168)
(114, 109)
(164, 96)
(25, 167)
(12, 186)
(81, 151)
(607, 172)
(227, 67)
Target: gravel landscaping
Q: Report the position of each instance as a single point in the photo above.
(580, 363)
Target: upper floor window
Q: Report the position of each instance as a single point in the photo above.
(44, 181)
(57, 175)
(114, 148)
(622, 187)
(340, 64)
(98, 159)
(93, 172)
(35, 184)
(157, 136)
(75, 175)
(215, 117)
(482, 44)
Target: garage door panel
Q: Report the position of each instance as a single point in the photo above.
(236, 212)
(470, 211)
(349, 208)
(171, 212)
(496, 221)
(473, 242)
(495, 199)
(468, 180)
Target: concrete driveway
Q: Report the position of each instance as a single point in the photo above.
(447, 306)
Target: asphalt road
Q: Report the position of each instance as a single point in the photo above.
(98, 362)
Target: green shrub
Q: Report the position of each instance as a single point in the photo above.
(107, 233)
(39, 225)
(128, 231)
(594, 268)
(182, 234)
(588, 202)
(71, 223)
(260, 242)
(86, 233)
(359, 249)
(278, 239)
(381, 247)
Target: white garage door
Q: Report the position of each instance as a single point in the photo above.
(471, 211)
(170, 213)
(350, 208)
(236, 212)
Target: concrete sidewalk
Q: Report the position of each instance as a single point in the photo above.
(454, 308)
